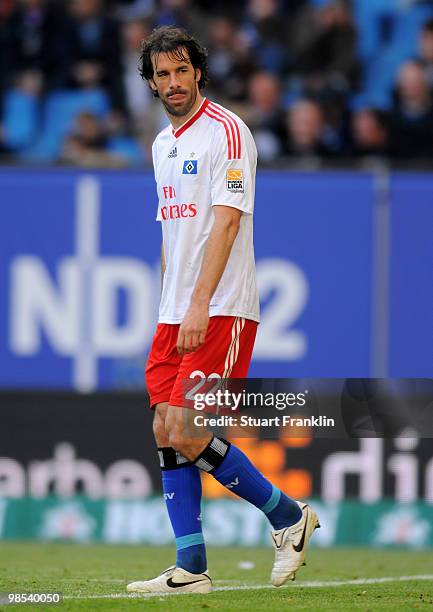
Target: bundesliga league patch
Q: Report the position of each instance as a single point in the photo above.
(189, 166)
(235, 181)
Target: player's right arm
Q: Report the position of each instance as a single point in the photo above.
(162, 264)
(162, 244)
(162, 261)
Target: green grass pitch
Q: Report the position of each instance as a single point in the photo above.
(94, 578)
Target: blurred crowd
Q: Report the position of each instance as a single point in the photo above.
(314, 79)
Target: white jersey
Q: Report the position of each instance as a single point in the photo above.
(208, 161)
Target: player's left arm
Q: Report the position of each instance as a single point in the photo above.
(192, 331)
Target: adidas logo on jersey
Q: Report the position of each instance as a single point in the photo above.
(173, 153)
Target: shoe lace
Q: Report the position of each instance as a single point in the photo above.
(169, 571)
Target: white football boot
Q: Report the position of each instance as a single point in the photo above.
(290, 545)
(173, 580)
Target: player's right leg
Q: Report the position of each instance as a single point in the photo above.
(181, 481)
(182, 492)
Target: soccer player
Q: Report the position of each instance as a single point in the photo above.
(205, 165)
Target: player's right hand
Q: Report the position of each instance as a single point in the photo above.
(192, 331)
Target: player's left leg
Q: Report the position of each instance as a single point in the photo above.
(230, 466)
(293, 523)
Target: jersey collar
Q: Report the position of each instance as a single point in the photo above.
(180, 130)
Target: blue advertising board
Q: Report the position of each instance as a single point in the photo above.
(313, 243)
(79, 276)
(411, 277)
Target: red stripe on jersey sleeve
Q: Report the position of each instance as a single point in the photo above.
(227, 129)
(234, 126)
(217, 112)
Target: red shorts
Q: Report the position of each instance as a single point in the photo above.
(226, 351)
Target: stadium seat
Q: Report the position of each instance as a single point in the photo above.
(127, 148)
(61, 109)
(370, 99)
(374, 21)
(20, 119)
(383, 55)
(408, 25)
(381, 75)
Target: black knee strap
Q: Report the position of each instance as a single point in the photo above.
(213, 455)
(170, 459)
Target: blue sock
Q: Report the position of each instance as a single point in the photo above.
(240, 476)
(182, 493)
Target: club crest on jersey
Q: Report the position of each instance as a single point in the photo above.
(235, 181)
(189, 166)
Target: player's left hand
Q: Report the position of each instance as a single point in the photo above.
(192, 332)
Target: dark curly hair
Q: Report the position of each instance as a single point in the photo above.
(173, 40)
